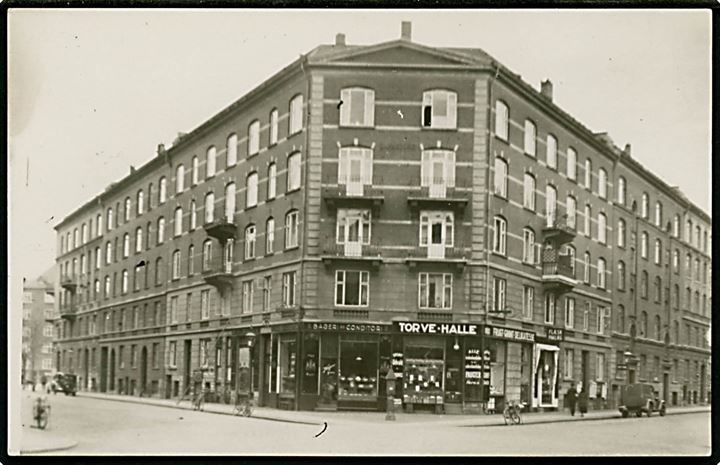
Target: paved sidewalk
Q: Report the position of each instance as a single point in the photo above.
(318, 418)
(35, 441)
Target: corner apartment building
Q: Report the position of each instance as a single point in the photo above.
(38, 323)
(367, 209)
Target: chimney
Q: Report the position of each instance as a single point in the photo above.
(546, 89)
(340, 39)
(161, 149)
(627, 150)
(406, 30)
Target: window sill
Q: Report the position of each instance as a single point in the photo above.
(270, 199)
(293, 247)
(499, 254)
(249, 259)
(250, 155)
(250, 207)
(290, 191)
(434, 128)
(359, 126)
(291, 134)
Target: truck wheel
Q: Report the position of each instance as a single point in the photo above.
(624, 414)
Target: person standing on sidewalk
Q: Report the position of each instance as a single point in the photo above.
(571, 399)
(583, 401)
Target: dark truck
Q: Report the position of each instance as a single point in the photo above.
(64, 382)
(640, 397)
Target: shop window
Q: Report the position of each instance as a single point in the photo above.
(424, 361)
(352, 288)
(358, 378)
(287, 353)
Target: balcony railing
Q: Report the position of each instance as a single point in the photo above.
(69, 282)
(558, 229)
(218, 273)
(558, 271)
(439, 196)
(436, 253)
(353, 195)
(351, 251)
(221, 229)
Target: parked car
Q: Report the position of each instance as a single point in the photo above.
(63, 382)
(639, 398)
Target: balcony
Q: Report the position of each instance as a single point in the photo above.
(558, 230)
(557, 272)
(221, 229)
(353, 195)
(351, 251)
(69, 282)
(218, 273)
(438, 254)
(439, 197)
(68, 312)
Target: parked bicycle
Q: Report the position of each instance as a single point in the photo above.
(41, 412)
(244, 404)
(511, 413)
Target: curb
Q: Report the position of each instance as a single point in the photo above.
(179, 407)
(565, 420)
(71, 445)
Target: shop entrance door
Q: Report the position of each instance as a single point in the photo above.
(666, 388)
(143, 371)
(111, 373)
(186, 366)
(103, 369)
(546, 369)
(585, 369)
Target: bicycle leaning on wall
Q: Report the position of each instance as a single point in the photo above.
(511, 413)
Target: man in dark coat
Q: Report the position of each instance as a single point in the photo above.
(571, 398)
(583, 402)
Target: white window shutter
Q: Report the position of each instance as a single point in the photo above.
(342, 167)
(370, 108)
(367, 162)
(345, 107)
(452, 110)
(450, 169)
(425, 169)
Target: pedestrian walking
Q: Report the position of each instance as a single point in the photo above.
(583, 402)
(571, 399)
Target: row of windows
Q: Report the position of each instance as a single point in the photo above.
(502, 131)
(694, 334)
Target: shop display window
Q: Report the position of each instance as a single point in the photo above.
(287, 364)
(328, 369)
(424, 374)
(358, 369)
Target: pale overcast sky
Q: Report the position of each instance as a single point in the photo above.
(93, 92)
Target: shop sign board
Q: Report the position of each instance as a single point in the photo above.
(555, 334)
(442, 329)
(473, 367)
(510, 334)
(398, 363)
(348, 327)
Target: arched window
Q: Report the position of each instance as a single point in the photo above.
(273, 126)
(676, 260)
(658, 328)
(84, 233)
(644, 245)
(126, 212)
(658, 251)
(602, 228)
(108, 253)
(621, 319)
(500, 171)
(191, 260)
(126, 245)
(209, 208)
(108, 218)
(571, 211)
(676, 226)
(162, 197)
(530, 142)
(645, 206)
(124, 281)
(296, 114)
(550, 205)
(178, 222)
(231, 150)
(621, 191)
(551, 151)
(159, 278)
(211, 163)
(161, 230)
(291, 229)
(658, 289)
(602, 183)
(644, 324)
(140, 207)
(570, 252)
(270, 236)
(528, 255)
(676, 297)
(676, 332)
(658, 214)
(621, 233)
(254, 138)
(272, 181)
(293, 171)
(250, 236)
(588, 174)
(529, 191)
(621, 275)
(571, 164)
(107, 287)
(193, 215)
(502, 120)
(148, 234)
(207, 255)
(176, 259)
(179, 179)
(195, 170)
(644, 285)
(601, 273)
(251, 190)
(586, 268)
(138, 239)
